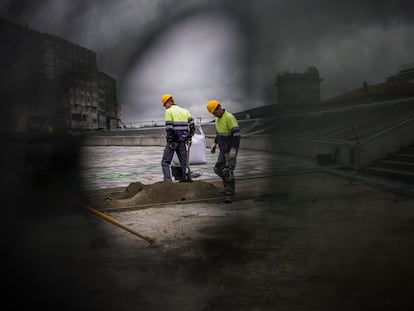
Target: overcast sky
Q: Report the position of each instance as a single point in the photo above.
(230, 50)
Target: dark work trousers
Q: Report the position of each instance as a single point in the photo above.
(224, 168)
(180, 149)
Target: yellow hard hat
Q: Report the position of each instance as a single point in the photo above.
(165, 97)
(212, 105)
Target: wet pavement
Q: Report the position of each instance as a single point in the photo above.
(118, 166)
(111, 167)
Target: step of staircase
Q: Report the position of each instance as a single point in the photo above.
(408, 150)
(397, 165)
(394, 174)
(404, 157)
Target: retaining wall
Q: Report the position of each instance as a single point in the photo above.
(351, 154)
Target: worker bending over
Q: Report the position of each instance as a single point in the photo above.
(228, 140)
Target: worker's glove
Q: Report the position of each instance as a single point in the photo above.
(188, 140)
(213, 148)
(233, 153)
(171, 145)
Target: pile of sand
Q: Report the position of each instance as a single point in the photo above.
(139, 194)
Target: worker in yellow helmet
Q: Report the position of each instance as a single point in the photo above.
(228, 140)
(180, 128)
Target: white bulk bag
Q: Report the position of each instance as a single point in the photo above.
(197, 149)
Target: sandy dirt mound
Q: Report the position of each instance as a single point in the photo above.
(137, 193)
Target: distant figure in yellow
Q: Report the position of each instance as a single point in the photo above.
(50, 130)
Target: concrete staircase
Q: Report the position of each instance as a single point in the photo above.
(397, 166)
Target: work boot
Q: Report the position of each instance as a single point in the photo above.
(228, 196)
(228, 181)
(228, 189)
(186, 178)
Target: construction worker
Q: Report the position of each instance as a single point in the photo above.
(228, 140)
(180, 129)
(50, 130)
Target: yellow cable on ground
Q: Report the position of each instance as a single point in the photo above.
(112, 220)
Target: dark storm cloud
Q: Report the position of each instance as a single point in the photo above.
(350, 42)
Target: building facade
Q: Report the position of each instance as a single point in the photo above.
(108, 108)
(49, 81)
(298, 89)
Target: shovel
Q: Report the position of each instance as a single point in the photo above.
(187, 173)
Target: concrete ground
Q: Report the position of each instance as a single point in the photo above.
(311, 240)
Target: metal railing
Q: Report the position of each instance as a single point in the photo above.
(160, 122)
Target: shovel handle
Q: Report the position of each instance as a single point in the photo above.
(187, 163)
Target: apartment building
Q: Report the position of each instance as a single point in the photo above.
(108, 109)
(49, 81)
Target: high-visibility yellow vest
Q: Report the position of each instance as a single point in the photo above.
(179, 123)
(225, 124)
(227, 132)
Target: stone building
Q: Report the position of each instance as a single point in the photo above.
(301, 90)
